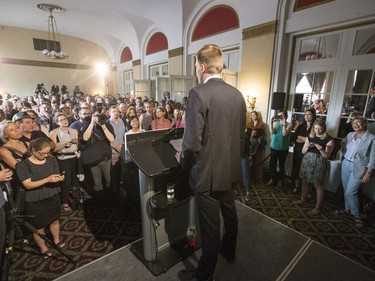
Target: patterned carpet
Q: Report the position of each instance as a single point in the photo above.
(106, 225)
(100, 228)
(336, 232)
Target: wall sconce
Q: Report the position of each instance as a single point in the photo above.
(251, 101)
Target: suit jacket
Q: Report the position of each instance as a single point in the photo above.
(215, 125)
(365, 156)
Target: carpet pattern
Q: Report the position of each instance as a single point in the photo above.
(338, 233)
(104, 226)
(98, 229)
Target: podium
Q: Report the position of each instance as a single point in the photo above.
(167, 224)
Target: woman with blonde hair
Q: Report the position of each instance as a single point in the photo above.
(357, 167)
(317, 149)
(12, 151)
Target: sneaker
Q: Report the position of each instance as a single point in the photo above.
(81, 177)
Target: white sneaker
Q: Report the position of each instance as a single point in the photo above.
(247, 196)
(81, 177)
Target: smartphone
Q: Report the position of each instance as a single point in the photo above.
(277, 117)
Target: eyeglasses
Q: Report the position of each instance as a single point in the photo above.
(62, 120)
(44, 154)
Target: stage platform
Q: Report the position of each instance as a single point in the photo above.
(267, 251)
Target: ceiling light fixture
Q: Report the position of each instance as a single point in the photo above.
(53, 49)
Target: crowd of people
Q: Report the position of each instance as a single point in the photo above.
(312, 148)
(42, 137)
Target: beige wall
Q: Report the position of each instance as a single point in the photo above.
(256, 64)
(175, 61)
(22, 68)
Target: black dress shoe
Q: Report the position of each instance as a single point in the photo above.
(228, 258)
(188, 275)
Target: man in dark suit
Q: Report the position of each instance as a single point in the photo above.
(211, 149)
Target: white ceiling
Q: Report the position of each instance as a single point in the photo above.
(112, 24)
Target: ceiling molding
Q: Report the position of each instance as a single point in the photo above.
(45, 63)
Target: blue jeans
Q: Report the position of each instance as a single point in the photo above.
(351, 186)
(245, 173)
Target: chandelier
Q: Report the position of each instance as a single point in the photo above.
(53, 49)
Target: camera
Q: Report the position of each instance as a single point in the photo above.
(312, 144)
(101, 118)
(277, 117)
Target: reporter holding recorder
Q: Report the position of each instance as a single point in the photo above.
(40, 176)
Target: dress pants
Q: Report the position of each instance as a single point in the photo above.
(100, 170)
(69, 166)
(209, 205)
(2, 235)
(278, 158)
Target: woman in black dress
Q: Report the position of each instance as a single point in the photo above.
(317, 149)
(299, 137)
(39, 174)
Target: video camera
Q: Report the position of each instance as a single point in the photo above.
(102, 118)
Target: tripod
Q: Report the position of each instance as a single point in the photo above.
(16, 221)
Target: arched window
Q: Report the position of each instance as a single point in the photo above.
(216, 20)
(126, 55)
(157, 43)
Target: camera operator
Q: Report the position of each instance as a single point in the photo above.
(100, 131)
(5, 175)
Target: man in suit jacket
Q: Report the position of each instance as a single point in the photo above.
(211, 149)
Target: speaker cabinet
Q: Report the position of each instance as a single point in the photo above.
(278, 100)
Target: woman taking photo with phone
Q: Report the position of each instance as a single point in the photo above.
(40, 176)
(280, 133)
(317, 149)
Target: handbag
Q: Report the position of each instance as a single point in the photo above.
(76, 198)
(94, 153)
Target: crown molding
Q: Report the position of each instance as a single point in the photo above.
(176, 52)
(259, 30)
(136, 62)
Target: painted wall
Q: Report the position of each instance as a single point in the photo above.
(256, 64)
(22, 68)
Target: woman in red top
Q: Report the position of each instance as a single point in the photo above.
(161, 122)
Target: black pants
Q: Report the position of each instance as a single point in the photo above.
(2, 236)
(69, 166)
(209, 206)
(277, 157)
